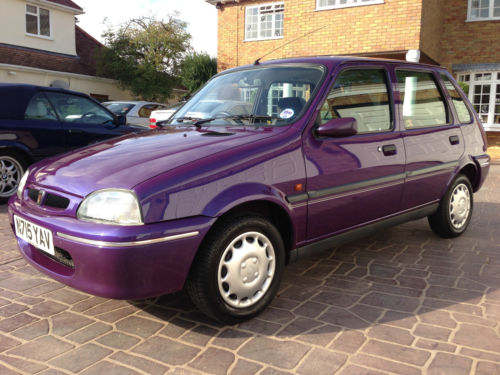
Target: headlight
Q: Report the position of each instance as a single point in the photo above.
(111, 207)
(22, 183)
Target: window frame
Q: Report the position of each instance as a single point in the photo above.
(440, 88)
(389, 88)
(490, 17)
(348, 5)
(494, 82)
(259, 6)
(37, 15)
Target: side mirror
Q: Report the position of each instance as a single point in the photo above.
(121, 120)
(339, 127)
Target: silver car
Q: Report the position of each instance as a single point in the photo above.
(137, 112)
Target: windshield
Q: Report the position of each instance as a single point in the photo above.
(119, 108)
(266, 95)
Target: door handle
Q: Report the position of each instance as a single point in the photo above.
(454, 140)
(75, 131)
(388, 150)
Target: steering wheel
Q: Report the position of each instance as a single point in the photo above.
(88, 114)
(229, 115)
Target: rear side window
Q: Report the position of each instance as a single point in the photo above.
(72, 108)
(39, 108)
(423, 104)
(463, 113)
(146, 110)
(363, 95)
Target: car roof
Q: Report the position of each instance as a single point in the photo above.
(15, 97)
(135, 102)
(332, 61)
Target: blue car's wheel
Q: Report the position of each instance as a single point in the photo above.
(12, 168)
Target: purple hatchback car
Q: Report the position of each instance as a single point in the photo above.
(262, 166)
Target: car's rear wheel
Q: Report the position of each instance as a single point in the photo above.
(238, 270)
(455, 209)
(12, 167)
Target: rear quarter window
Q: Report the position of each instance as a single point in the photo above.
(463, 113)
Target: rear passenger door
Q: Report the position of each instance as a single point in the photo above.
(357, 179)
(432, 138)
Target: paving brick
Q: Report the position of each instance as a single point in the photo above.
(118, 340)
(143, 365)
(67, 322)
(89, 333)
(391, 334)
(213, 361)
(357, 370)
(231, 338)
(432, 332)
(385, 365)
(342, 318)
(199, 335)
(243, 367)
(487, 368)
(15, 322)
(391, 302)
(444, 363)
(80, 358)
(139, 326)
(283, 354)
(349, 341)
(396, 352)
(316, 360)
(32, 331)
(41, 349)
(108, 368)
(478, 337)
(7, 343)
(434, 345)
(24, 365)
(166, 351)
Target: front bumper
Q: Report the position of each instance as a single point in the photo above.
(112, 261)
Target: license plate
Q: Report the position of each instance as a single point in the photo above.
(34, 234)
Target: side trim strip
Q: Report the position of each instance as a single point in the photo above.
(435, 168)
(127, 244)
(368, 185)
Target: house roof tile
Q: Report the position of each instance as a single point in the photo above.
(83, 63)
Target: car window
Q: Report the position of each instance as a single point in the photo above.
(363, 95)
(119, 108)
(423, 104)
(146, 110)
(39, 108)
(463, 113)
(72, 108)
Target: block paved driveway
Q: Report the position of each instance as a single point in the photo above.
(402, 301)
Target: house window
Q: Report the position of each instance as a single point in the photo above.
(37, 21)
(334, 4)
(480, 10)
(484, 94)
(264, 21)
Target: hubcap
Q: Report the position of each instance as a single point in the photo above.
(10, 175)
(459, 206)
(246, 269)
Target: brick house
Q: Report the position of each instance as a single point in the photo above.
(462, 35)
(41, 44)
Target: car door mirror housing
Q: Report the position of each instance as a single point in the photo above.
(121, 120)
(339, 127)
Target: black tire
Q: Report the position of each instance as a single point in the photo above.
(233, 262)
(455, 209)
(12, 168)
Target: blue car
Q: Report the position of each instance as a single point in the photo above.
(37, 122)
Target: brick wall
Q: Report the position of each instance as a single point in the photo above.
(467, 42)
(493, 139)
(392, 26)
(432, 28)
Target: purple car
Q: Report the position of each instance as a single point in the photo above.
(264, 165)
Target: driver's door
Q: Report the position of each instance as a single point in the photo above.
(84, 121)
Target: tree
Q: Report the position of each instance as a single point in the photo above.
(196, 69)
(145, 55)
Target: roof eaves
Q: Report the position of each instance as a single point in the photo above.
(74, 8)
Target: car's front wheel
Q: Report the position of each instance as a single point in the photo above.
(455, 209)
(12, 167)
(238, 270)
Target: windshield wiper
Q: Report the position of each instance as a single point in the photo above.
(196, 121)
